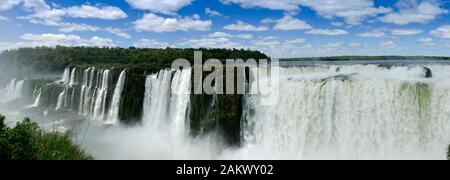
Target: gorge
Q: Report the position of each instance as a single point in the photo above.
(351, 110)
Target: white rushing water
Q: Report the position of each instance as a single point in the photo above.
(37, 99)
(113, 116)
(322, 112)
(352, 112)
(167, 97)
(15, 89)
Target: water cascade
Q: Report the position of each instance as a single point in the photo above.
(113, 116)
(167, 98)
(15, 89)
(352, 112)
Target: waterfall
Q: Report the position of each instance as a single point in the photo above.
(15, 89)
(60, 102)
(73, 77)
(101, 95)
(113, 116)
(37, 99)
(66, 76)
(167, 96)
(352, 112)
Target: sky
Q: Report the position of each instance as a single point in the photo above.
(282, 28)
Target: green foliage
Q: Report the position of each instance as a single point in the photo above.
(48, 60)
(27, 142)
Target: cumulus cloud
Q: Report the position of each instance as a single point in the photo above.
(288, 23)
(327, 32)
(220, 42)
(337, 24)
(159, 6)
(3, 18)
(150, 43)
(269, 41)
(405, 32)
(388, 44)
(353, 11)
(220, 35)
(242, 26)
(244, 36)
(229, 36)
(118, 32)
(442, 32)
(212, 13)
(358, 44)
(296, 41)
(377, 33)
(96, 12)
(426, 41)
(154, 23)
(78, 27)
(51, 40)
(54, 16)
(414, 12)
(8, 4)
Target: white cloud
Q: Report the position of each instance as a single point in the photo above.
(35, 5)
(268, 21)
(406, 32)
(442, 32)
(358, 44)
(78, 27)
(296, 41)
(388, 44)
(150, 43)
(117, 32)
(377, 33)
(220, 35)
(3, 18)
(71, 27)
(288, 23)
(153, 23)
(159, 6)
(229, 36)
(54, 17)
(8, 4)
(327, 32)
(269, 41)
(51, 40)
(353, 11)
(413, 12)
(244, 36)
(212, 43)
(426, 41)
(96, 12)
(337, 24)
(242, 26)
(51, 17)
(212, 13)
(50, 37)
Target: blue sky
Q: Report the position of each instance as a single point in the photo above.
(283, 28)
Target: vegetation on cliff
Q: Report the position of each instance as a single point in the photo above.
(27, 141)
(48, 60)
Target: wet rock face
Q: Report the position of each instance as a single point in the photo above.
(428, 72)
(448, 153)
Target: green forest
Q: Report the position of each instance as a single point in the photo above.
(47, 60)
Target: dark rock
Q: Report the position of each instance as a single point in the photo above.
(428, 72)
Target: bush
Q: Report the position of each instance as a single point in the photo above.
(27, 141)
